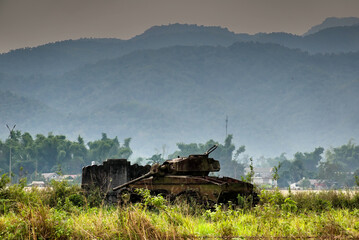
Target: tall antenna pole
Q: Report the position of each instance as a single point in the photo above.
(226, 126)
(10, 134)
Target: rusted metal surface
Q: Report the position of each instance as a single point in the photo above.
(208, 188)
(189, 176)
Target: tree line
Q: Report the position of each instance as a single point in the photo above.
(31, 156)
(338, 167)
(54, 153)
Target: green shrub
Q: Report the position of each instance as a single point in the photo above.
(94, 197)
(355, 201)
(151, 201)
(77, 199)
(245, 202)
(325, 200)
(289, 205)
(59, 192)
(11, 195)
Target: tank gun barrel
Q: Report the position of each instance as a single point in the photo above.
(149, 174)
(155, 169)
(211, 149)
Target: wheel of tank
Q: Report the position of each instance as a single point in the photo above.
(188, 197)
(126, 196)
(111, 198)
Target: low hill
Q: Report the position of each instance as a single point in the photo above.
(60, 57)
(330, 40)
(277, 99)
(27, 113)
(333, 22)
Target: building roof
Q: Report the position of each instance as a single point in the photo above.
(49, 175)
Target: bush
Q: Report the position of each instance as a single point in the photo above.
(60, 191)
(325, 200)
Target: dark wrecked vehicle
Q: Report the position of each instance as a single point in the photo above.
(188, 178)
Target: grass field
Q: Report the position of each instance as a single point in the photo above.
(313, 191)
(63, 212)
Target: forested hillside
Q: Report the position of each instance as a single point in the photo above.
(60, 57)
(177, 83)
(277, 99)
(333, 22)
(30, 113)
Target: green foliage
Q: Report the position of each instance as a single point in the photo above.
(346, 155)
(305, 183)
(94, 197)
(151, 201)
(77, 200)
(108, 148)
(305, 215)
(291, 171)
(270, 162)
(289, 205)
(4, 179)
(44, 153)
(249, 176)
(219, 213)
(275, 174)
(245, 202)
(156, 158)
(55, 153)
(326, 200)
(11, 195)
(310, 160)
(139, 160)
(339, 165)
(357, 180)
(64, 195)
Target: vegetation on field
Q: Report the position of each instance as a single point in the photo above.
(338, 167)
(65, 212)
(34, 155)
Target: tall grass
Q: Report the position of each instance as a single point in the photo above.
(64, 212)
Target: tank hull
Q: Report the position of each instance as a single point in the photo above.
(202, 188)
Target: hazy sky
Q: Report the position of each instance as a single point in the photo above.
(33, 22)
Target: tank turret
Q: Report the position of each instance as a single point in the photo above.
(193, 165)
(188, 177)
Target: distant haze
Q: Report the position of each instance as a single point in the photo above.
(25, 23)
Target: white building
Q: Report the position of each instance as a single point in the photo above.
(39, 184)
(50, 176)
(262, 176)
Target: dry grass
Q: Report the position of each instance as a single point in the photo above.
(311, 191)
(58, 213)
(137, 223)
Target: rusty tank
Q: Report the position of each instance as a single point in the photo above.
(188, 178)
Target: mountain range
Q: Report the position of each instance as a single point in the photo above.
(333, 22)
(177, 83)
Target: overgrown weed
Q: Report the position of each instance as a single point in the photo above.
(64, 212)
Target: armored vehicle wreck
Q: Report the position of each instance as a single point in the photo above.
(188, 177)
